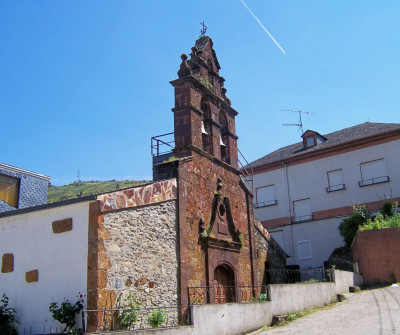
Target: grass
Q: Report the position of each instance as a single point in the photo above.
(84, 188)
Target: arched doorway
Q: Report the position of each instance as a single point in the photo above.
(224, 284)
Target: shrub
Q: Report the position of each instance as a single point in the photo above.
(380, 222)
(130, 311)
(156, 318)
(66, 312)
(349, 226)
(388, 209)
(7, 317)
(261, 297)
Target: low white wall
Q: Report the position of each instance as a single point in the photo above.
(184, 330)
(230, 318)
(290, 298)
(61, 261)
(345, 279)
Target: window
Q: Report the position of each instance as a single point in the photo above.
(265, 196)
(373, 173)
(9, 189)
(302, 210)
(335, 181)
(310, 141)
(304, 249)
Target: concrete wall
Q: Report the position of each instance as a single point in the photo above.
(230, 318)
(184, 330)
(377, 254)
(345, 279)
(60, 261)
(289, 298)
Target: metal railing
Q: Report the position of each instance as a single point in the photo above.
(162, 144)
(224, 294)
(247, 172)
(142, 318)
(265, 203)
(302, 218)
(292, 276)
(334, 188)
(372, 181)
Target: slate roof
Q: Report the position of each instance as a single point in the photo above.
(362, 131)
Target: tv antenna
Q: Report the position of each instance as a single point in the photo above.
(300, 123)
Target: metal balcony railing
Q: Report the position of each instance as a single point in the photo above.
(162, 144)
(372, 181)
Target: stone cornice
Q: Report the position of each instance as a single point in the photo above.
(198, 84)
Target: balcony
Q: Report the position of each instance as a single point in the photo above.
(373, 181)
(265, 203)
(334, 188)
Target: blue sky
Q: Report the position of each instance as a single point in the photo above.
(85, 84)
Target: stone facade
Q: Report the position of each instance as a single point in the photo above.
(269, 254)
(132, 248)
(216, 230)
(142, 253)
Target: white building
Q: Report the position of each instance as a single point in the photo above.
(304, 190)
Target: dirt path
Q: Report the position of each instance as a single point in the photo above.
(368, 312)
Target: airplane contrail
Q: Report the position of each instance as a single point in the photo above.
(262, 26)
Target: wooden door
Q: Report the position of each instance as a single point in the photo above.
(224, 285)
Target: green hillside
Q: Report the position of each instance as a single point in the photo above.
(83, 188)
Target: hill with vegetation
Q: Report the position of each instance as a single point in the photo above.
(84, 188)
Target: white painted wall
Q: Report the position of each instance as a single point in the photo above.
(308, 180)
(60, 258)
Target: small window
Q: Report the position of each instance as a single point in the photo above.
(9, 190)
(335, 181)
(310, 141)
(265, 196)
(373, 172)
(302, 210)
(304, 249)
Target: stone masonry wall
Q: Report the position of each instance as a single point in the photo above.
(142, 252)
(268, 250)
(197, 184)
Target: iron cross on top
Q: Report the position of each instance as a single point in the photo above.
(204, 29)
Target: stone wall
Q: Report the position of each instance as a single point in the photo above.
(377, 254)
(197, 187)
(132, 248)
(142, 252)
(268, 253)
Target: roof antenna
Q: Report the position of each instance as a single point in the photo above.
(300, 123)
(203, 30)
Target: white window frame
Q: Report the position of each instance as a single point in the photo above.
(376, 179)
(337, 187)
(305, 217)
(298, 250)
